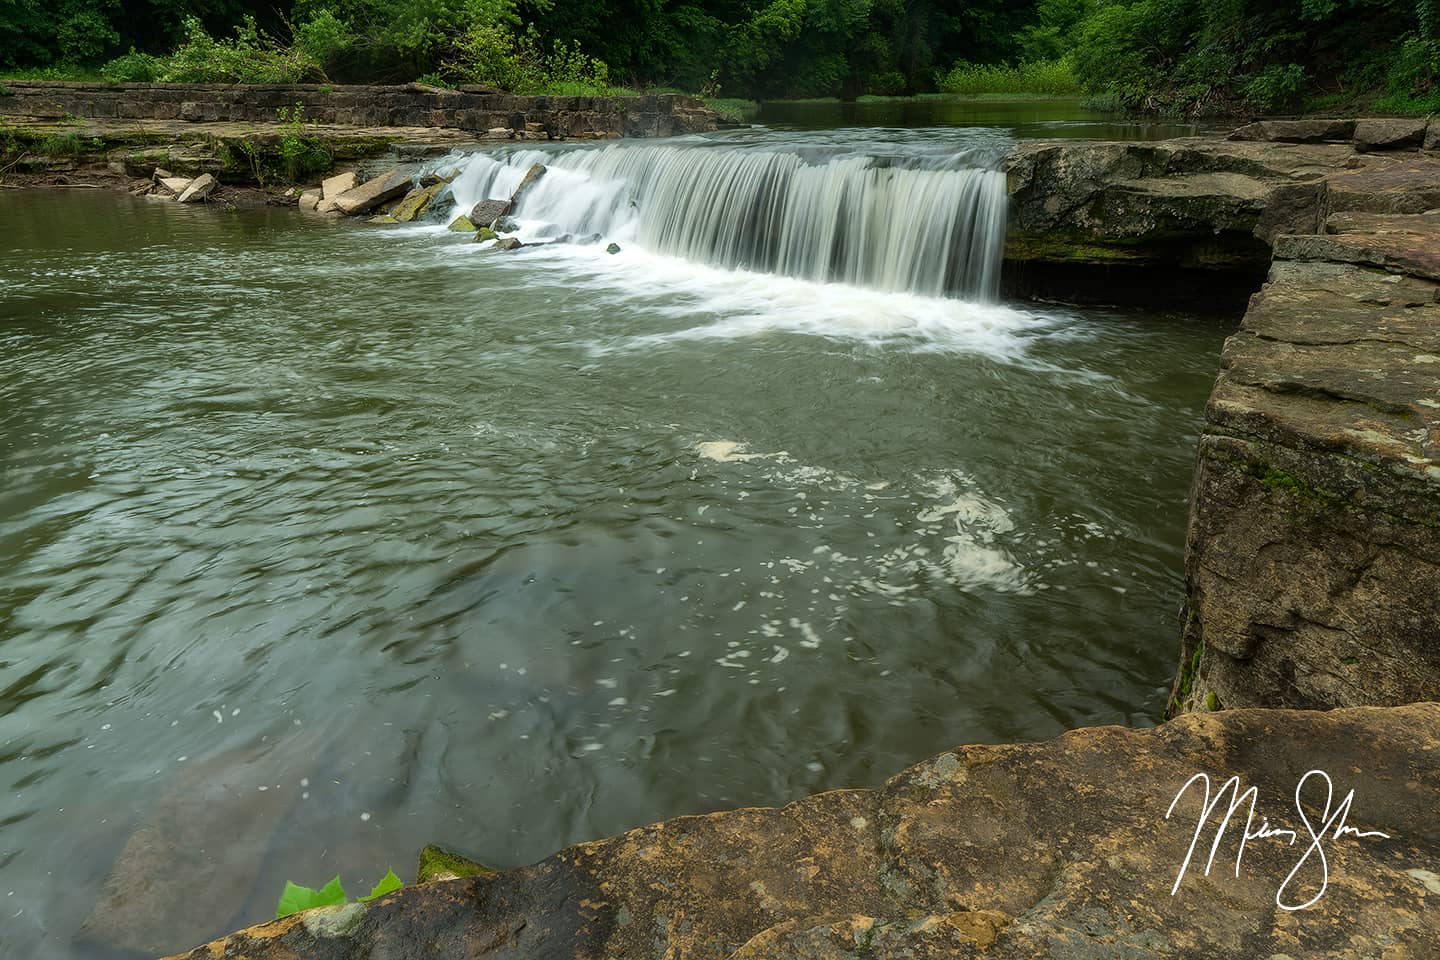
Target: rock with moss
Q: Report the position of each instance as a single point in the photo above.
(613, 249)
(462, 224)
(485, 234)
(506, 225)
(438, 863)
(382, 219)
(416, 202)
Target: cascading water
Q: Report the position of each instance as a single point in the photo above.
(929, 226)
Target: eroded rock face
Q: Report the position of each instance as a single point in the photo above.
(1059, 849)
(1313, 557)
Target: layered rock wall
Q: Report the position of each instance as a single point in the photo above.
(474, 109)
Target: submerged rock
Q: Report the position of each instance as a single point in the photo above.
(1013, 852)
(613, 248)
(383, 218)
(508, 243)
(199, 189)
(506, 225)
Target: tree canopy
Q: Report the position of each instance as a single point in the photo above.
(1184, 56)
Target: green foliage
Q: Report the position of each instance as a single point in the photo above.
(296, 898)
(1276, 87)
(247, 57)
(60, 145)
(1052, 77)
(133, 67)
(387, 884)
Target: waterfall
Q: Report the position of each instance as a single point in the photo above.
(918, 225)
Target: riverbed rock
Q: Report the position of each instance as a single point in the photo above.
(383, 218)
(506, 225)
(310, 199)
(332, 187)
(462, 224)
(1313, 555)
(1390, 133)
(613, 249)
(416, 202)
(374, 192)
(199, 189)
(1296, 131)
(487, 212)
(1056, 849)
(438, 863)
(485, 234)
(508, 243)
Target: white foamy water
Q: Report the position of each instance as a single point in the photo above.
(927, 227)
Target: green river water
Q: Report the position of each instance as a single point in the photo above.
(323, 541)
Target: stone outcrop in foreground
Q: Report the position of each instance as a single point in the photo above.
(1057, 849)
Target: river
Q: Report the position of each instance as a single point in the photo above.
(323, 541)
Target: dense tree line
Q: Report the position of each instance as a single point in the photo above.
(1171, 55)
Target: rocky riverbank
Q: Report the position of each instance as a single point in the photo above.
(1058, 849)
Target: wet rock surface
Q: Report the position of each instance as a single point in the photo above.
(1058, 849)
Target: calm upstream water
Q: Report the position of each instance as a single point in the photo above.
(323, 541)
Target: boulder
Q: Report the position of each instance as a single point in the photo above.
(332, 187)
(613, 248)
(309, 200)
(176, 185)
(535, 172)
(161, 174)
(484, 234)
(1389, 134)
(462, 224)
(487, 212)
(374, 192)
(1296, 131)
(1432, 135)
(416, 202)
(1006, 852)
(589, 239)
(506, 225)
(199, 189)
(508, 243)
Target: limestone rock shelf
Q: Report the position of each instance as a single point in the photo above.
(1057, 849)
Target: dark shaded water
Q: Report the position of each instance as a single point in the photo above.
(325, 541)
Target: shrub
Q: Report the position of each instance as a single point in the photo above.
(1276, 87)
(85, 36)
(133, 67)
(1051, 77)
(248, 57)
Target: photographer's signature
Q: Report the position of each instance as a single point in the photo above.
(1331, 826)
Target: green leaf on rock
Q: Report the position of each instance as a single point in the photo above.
(297, 898)
(386, 884)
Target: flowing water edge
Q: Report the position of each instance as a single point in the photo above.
(374, 537)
